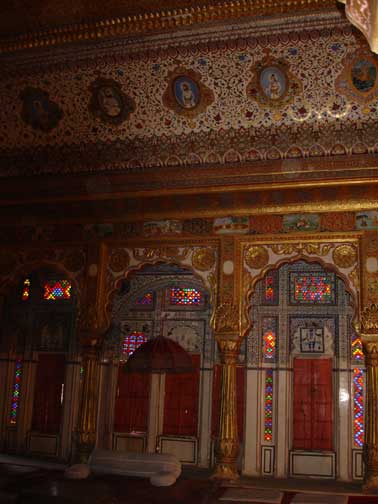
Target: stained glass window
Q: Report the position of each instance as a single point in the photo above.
(270, 289)
(132, 341)
(146, 300)
(358, 407)
(16, 392)
(307, 288)
(268, 409)
(357, 351)
(60, 289)
(269, 330)
(185, 296)
(26, 290)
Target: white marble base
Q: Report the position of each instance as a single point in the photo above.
(301, 498)
(255, 495)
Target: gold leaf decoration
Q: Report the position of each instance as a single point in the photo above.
(344, 256)
(321, 249)
(203, 259)
(256, 257)
(227, 318)
(151, 254)
(119, 260)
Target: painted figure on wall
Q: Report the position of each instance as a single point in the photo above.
(186, 92)
(273, 82)
(109, 103)
(364, 75)
(38, 110)
(358, 79)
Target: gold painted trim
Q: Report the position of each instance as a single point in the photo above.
(158, 20)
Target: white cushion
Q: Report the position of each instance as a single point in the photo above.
(163, 478)
(77, 471)
(134, 464)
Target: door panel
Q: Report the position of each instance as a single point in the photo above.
(313, 423)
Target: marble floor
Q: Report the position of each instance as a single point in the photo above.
(23, 482)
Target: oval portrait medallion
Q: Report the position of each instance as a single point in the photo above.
(186, 92)
(364, 75)
(109, 101)
(273, 82)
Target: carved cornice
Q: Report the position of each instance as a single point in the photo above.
(158, 20)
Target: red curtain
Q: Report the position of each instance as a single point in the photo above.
(181, 401)
(47, 411)
(240, 400)
(313, 423)
(132, 401)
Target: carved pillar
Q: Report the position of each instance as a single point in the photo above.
(368, 330)
(227, 445)
(87, 420)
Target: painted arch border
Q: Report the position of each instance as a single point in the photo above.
(309, 248)
(135, 257)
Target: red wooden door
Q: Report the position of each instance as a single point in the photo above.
(181, 402)
(132, 401)
(48, 396)
(313, 418)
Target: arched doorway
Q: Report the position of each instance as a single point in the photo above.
(167, 413)
(39, 363)
(304, 378)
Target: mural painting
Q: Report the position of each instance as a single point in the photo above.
(232, 225)
(358, 80)
(367, 220)
(109, 103)
(272, 84)
(38, 110)
(186, 94)
(301, 222)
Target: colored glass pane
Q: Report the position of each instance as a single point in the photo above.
(269, 288)
(16, 392)
(268, 408)
(357, 351)
(146, 299)
(312, 288)
(61, 289)
(132, 341)
(358, 407)
(26, 290)
(185, 296)
(269, 338)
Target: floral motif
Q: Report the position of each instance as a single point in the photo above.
(256, 257)
(119, 260)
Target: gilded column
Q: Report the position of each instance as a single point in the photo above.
(227, 444)
(368, 330)
(87, 418)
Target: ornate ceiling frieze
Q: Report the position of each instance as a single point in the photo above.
(78, 23)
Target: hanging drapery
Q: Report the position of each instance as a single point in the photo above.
(159, 355)
(364, 15)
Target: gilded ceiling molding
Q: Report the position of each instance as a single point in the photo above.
(159, 20)
(363, 14)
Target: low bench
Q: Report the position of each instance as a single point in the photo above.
(162, 468)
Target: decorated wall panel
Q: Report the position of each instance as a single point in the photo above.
(300, 94)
